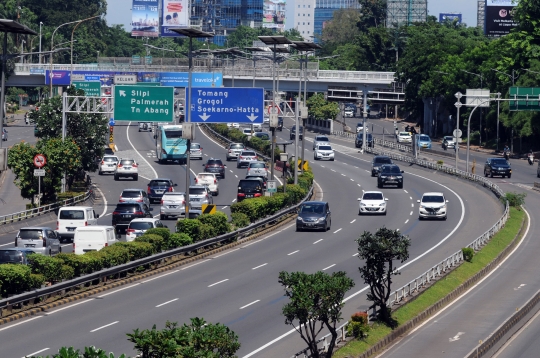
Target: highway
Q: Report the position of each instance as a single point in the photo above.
(239, 287)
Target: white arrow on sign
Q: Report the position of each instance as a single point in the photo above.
(204, 117)
(122, 93)
(252, 117)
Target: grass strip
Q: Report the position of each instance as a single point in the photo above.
(441, 288)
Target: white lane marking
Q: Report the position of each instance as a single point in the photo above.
(343, 175)
(367, 171)
(230, 170)
(294, 330)
(355, 254)
(198, 263)
(520, 286)
(249, 304)
(33, 354)
(406, 191)
(155, 278)
(292, 253)
(236, 176)
(120, 289)
(333, 170)
(65, 308)
(318, 241)
(145, 177)
(9, 243)
(357, 167)
(16, 324)
(406, 221)
(324, 269)
(225, 253)
(358, 184)
(410, 213)
(206, 155)
(234, 200)
(225, 207)
(338, 230)
(410, 197)
(352, 179)
(353, 221)
(322, 166)
(104, 201)
(456, 337)
(136, 151)
(107, 214)
(412, 205)
(105, 326)
(217, 283)
(164, 303)
(256, 267)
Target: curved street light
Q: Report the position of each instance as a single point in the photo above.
(71, 56)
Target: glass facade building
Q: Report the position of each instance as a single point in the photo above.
(324, 12)
(223, 16)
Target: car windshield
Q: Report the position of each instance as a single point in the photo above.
(30, 234)
(140, 225)
(197, 191)
(173, 133)
(433, 199)
(373, 196)
(110, 159)
(499, 161)
(127, 162)
(360, 125)
(325, 147)
(195, 146)
(251, 154)
(405, 134)
(424, 138)
(206, 176)
(448, 138)
(237, 146)
(247, 130)
(249, 184)
(127, 207)
(130, 194)
(257, 165)
(312, 208)
(11, 257)
(71, 214)
(382, 161)
(264, 179)
(173, 196)
(214, 162)
(322, 139)
(159, 183)
(392, 170)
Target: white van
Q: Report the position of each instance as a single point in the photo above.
(72, 217)
(93, 238)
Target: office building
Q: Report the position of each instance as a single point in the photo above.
(324, 12)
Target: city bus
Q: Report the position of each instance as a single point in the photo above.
(169, 143)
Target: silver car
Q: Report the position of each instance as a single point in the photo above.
(195, 151)
(41, 240)
(134, 195)
(108, 164)
(257, 169)
(245, 157)
(173, 204)
(233, 150)
(199, 195)
(320, 139)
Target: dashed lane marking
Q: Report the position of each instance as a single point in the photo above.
(338, 230)
(292, 253)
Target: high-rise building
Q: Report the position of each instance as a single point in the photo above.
(223, 16)
(301, 16)
(403, 12)
(481, 14)
(324, 12)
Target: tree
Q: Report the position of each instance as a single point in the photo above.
(316, 301)
(379, 252)
(372, 14)
(198, 339)
(87, 130)
(342, 29)
(320, 108)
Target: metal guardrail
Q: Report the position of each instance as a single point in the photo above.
(99, 276)
(31, 213)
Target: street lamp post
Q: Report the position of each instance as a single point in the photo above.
(498, 102)
(513, 78)
(40, 24)
(22, 50)
(458, 105)
(71, 55)
(469, 130)
(481, 109)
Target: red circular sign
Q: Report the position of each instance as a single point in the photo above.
(39, 160)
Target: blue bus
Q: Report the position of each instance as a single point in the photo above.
(169, 143)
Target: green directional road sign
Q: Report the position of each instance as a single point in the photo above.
(91, 89)
(143, 104)
(526, 98)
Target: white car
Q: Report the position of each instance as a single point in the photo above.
(127, 168)
(257, 169)
(108, 164)
(266, 120)
(323, 152)
(349, 113)
(246, 131)
(236, 125)
(432, 205)
(195, 151)
(138, 227)
(172, 204)
(320, 139)
(372, 202)
(404, 137)
(360, 127)
(210, 180)
(257, 127)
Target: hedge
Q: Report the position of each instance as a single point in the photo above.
(15, 279)
(262, 146)
(157, 241)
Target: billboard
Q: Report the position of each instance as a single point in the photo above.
(499, 17)
(450, 17)
(274, 14)
(145, 18)
(175, 15)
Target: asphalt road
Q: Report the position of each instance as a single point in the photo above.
(239, 287)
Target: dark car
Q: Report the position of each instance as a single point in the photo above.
(108, 151)
(15, 255)
(262, 135)
(360, 140)
(376, 163)
(300, 132)
(497, 166)
(314, 215)
(390, 174)
(215, 166)
(157, 187)
(264, 179)
(280, 124)
(125, 212)
(251, 187)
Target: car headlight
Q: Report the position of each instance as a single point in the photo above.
(362, 204)
(383, 176)
(443, 207)
(422, 206)
(321, 219)
(382, 204)
(299, 219)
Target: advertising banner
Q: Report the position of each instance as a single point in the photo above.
(499, 17)
(145, 18)
(450, 18)
(274, 14)
(175, 15)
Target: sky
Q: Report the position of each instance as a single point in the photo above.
(119, 11)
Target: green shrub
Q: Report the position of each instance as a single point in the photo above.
(35, 281)
(239, 220)
(514, 199)
(96, 261)
(115, 255)
(49, 267)
(440, 162)
(156, 241)
(137, 250)
(358, 326)
(295, 193)
(81, 264)
(164, 232)
(468, 254)
(218, 221)
(189, 227)
(205, 232)
(67, 272)
(179, 240)
(14, 279)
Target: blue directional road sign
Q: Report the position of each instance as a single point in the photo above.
(112, 122)
(227, 105)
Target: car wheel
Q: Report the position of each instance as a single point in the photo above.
(50, 252)
(161, 217)
(298, 229)
(509, 176)
(385, 212)
(136, 177)
(115, 177)
(491, 175)
(444, 218)
(100, 172)
(379, 185)
(330, 225)
(485, 173)
(59, 249)
(400, 186)
(332, 159)
(359, 212)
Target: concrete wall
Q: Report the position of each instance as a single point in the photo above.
(320, 126)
